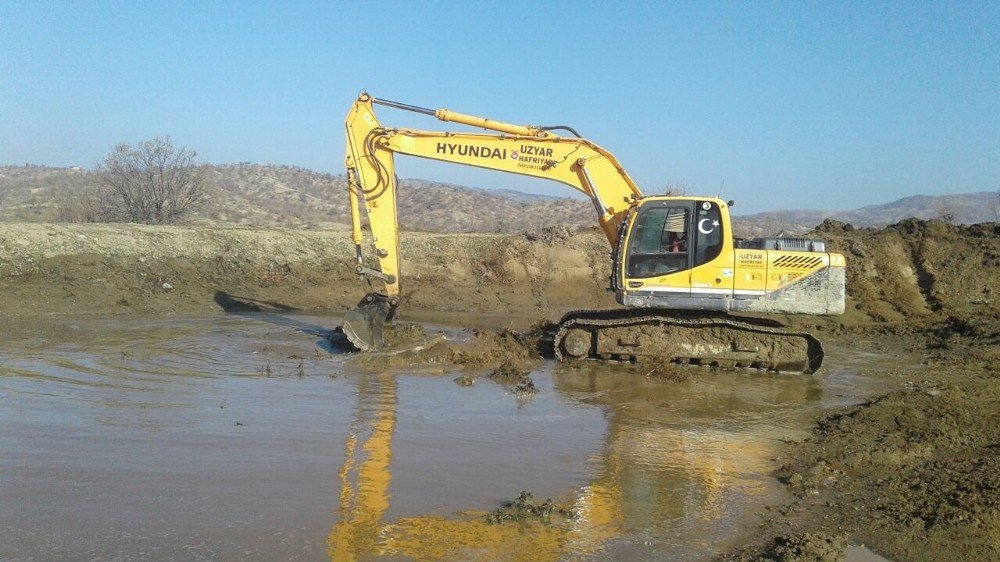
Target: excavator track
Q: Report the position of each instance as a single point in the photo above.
(634, 335)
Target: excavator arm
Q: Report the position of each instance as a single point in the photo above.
(525, 150)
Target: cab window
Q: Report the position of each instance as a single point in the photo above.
(659, 243)
(708, 232)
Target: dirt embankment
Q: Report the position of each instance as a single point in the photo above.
(914, 272)
(918, 269)
(85, 269)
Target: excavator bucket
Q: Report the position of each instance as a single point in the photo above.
(364, 325)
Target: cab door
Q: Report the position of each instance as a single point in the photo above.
(712, 267)
(658, 256)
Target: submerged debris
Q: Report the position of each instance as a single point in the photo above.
(525, 386)
(265, 370)
(513, 377)
(508, 373)
(524, 507)
(671, 373)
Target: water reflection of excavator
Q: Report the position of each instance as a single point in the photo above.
(362, 532)
(653, 475)
(677, 268)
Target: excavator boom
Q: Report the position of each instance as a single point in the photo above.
(524, 150)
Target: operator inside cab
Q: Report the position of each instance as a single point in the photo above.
(660, 245)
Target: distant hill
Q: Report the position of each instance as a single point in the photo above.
(963, 208)
(284, 196)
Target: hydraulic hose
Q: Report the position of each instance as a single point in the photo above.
(564, 128)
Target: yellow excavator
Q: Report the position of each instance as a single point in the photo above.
(678, 270)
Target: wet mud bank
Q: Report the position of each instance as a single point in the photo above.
(914, 473)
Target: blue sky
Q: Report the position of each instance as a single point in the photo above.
(777, 105)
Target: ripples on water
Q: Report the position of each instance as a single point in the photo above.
(251, 437)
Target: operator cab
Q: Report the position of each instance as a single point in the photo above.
(673, 235)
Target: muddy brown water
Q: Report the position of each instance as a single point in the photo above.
(250, 437)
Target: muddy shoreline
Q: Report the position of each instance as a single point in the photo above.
(913, 474)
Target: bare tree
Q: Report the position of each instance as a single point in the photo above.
(151, 182)
(671, 189)
(79, 204)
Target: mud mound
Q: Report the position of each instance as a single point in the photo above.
(971, 342)
(916, 472)
(525, 507)
(486, 348)
(508, 373)
(402, 334)
(918, 269)
(511, 376)
(525, 387)
(912, 272)
(123, 268)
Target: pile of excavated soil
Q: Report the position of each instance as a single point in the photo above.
(807, 547)
(85, 269)
(918, 269)
(914, 272)
(919, 465)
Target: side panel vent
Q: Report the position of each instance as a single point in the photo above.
(789, 244)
